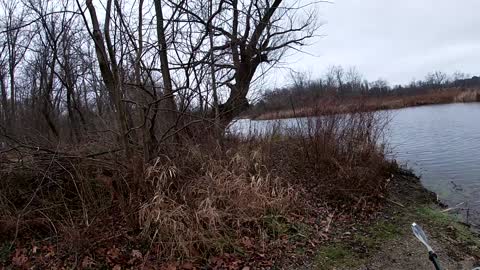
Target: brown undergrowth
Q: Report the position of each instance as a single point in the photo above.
(192, 203)
(340, 159)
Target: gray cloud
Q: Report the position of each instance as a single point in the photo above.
(395, 40)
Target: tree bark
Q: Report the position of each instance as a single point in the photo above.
(170, 104)
(110, 74)
(3, 90)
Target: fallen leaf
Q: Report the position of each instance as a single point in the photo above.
(113, 254)
(87, 262)
(170, 266)
(19, 259)
(137, 254)
(187, 266)
(247, 242)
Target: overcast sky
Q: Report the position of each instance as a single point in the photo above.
(395, 40)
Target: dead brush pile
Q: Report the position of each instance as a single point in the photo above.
(47, 193)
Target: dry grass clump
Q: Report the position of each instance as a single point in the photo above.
(468, 96)
(207, 210)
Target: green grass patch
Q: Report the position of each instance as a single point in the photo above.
(374, 236)
(434, 216)
(5, 251)
(385, 231)
(277, 225)
(336, 256)
(349, 255)
(447, 224)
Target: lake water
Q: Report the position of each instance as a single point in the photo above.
(441, 143)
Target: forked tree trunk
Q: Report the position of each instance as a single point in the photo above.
(110, 74)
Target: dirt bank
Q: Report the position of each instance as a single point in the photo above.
(387, 241)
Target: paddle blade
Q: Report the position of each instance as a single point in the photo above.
(420, 234)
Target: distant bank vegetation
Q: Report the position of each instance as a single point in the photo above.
(341, 90)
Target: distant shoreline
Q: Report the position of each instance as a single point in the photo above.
(330, 106)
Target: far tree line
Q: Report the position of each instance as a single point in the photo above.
(342, 83)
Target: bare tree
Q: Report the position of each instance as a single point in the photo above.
(109, 68)
(436, 79)
(3, 85)
(164, 62)
(259, 34)
(154, 71)
(17, 44)
(354, 80)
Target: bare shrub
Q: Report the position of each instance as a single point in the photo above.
(468, 96)
(338, 157)
(42, 190)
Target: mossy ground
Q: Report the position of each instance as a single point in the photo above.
(337, 255)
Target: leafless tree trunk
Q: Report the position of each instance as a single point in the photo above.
(4, 115)
(259, 34)
(170, 105)
(3, 90)
(109, 69)
(16, 48)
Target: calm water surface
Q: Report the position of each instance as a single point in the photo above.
(441, 143)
